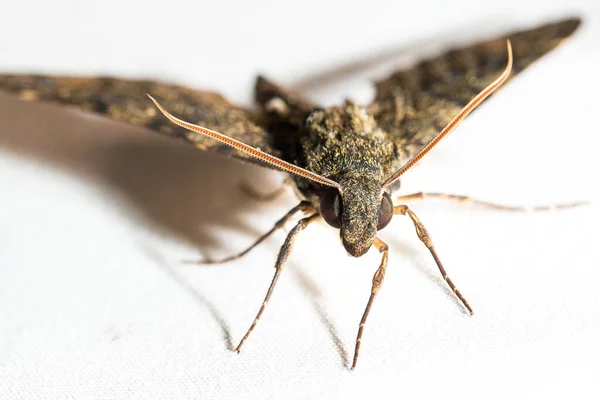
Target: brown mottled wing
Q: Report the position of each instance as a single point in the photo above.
(415, 104)
(126, 101)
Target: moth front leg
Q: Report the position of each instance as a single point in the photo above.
(377, 280)
(285, 251)
(303, 206)
(485, 204)
(426, 239)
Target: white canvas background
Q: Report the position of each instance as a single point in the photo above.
(96, 217)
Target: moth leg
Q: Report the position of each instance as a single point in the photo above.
(285, 251)
(377, 280)
(303, 206)
(426, 239)
(256, 195)
(486, 204)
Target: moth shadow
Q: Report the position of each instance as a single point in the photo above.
(195, 294)
(426, 267)
(161, 183)
(183, 192)
(314, 291)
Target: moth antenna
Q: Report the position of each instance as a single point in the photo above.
(254, 152)
(491, 88)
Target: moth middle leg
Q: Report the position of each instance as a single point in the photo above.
(285, 251)
(485, 204)
(303, 206)
(426, 239)
(377, 280)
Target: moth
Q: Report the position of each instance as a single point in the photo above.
(345, 161)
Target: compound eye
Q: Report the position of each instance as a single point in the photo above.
(331, 208)
(386, 211)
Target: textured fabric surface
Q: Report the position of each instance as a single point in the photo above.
(96, 217)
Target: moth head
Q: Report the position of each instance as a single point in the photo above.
(358, 214)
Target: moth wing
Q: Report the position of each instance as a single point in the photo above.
(126, 101)
(415, 104)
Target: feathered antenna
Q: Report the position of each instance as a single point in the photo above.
(254, 152)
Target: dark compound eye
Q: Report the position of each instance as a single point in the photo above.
(386, 211)
(331, 208)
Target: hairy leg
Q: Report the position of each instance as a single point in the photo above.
(486, 204)
(303, 206)
(377, 280)
(426, 239)
(285, 251)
